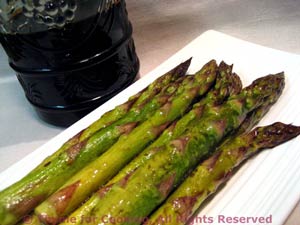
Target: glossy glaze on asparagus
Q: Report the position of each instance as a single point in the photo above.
(207, 177)
(98, 172)
(226, 85)
(20, 198)
(140, 192)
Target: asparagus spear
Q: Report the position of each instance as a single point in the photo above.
(137, 194)
(78, 188)
(207, 177)
(20, 198)
(226, 84)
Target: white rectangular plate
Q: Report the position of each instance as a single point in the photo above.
(268, 184)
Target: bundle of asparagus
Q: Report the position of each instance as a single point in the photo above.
(137, 194)
(226, 84)
(20, 198)
(78, 188)
(170, 127)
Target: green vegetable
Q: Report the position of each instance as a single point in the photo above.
(20, 198)
(207, 177)
(140, 192)
(98, 172)
(226, 85)
(256, 115)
